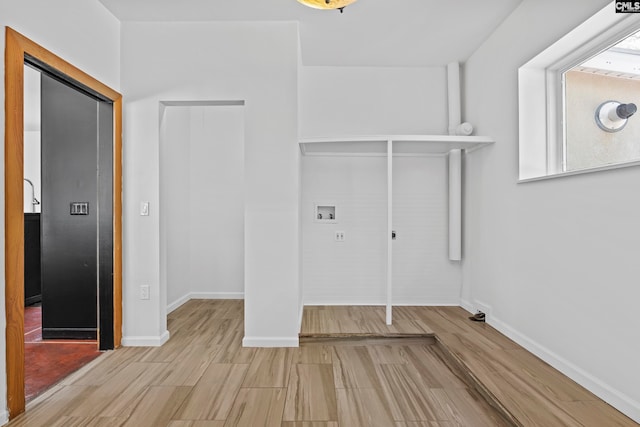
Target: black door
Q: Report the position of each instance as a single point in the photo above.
(77, 213)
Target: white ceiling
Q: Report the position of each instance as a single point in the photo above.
(369, 33)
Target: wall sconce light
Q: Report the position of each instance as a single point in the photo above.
(327, 4)
(612, 116)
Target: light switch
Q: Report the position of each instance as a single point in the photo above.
(144, 208)
(79, 208)
(339, 236)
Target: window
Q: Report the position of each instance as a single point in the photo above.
(601, 96)
(572, 97)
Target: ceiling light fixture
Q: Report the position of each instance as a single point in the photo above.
(327, 4)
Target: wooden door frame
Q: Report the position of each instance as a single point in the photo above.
(17, 47)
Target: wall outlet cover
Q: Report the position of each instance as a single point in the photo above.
(144, 292)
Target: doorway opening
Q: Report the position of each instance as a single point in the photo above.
(19, 50)
(201, 201)
(67, 138)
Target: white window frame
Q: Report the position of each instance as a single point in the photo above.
(540, 91)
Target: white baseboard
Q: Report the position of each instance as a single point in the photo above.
(379, 304)
(270, 342)
(216, 295)
(177, 303)
(300, 317)
(467, 305)
(4, 417)
(145, 341)
(426, 304)
(615, 398)
(203, 295)
(473, 307)
(342, 303)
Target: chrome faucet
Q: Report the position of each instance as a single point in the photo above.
(34, 201)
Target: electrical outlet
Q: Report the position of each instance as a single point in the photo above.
(340, 236)
(144, 292)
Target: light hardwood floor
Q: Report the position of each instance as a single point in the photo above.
(203, 377)
(526, 389)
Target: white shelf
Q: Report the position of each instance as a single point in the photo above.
(402, 145)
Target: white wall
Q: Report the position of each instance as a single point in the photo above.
(255, 62)
(32, 138)
(554, 262)
(422, 271)
(202, 202)
(354, 271)
(217, 201)
(175, 203)
(32, 171)
(367, 101)
(370, 100)
(81, 32)
(97, 52)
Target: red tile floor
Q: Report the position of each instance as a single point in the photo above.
(49, 361)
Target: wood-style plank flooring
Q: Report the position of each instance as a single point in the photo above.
(529, 391)
(203, 377)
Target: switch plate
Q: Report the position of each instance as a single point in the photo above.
(144, 208)
(340, 236)
(144, 292)
(79, 208)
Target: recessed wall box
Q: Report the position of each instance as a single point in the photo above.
(325, 213)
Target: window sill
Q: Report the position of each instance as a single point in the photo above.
(580, 172)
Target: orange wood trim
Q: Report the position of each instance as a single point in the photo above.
(14, 222)
(17, 46)
(32, 49)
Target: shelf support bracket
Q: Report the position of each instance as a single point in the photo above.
(389, 310)
(455, 205)
(455, 164)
